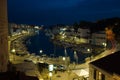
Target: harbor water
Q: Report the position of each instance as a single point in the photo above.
(42, 42)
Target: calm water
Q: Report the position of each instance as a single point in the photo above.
(42, 42)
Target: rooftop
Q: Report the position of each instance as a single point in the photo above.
(109, 63)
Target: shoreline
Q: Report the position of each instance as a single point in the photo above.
(23, 43)
(18, 43)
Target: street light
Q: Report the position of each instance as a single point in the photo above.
(63, 58)
(13, 51)
(88, 50)
(50, 75)
(104, 44)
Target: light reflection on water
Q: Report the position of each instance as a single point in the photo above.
(42, 42)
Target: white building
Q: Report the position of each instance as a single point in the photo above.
(99, 38)
(83, 35)
(84, 32)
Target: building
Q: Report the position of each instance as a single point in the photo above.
(106, 68)
(13, 29)
(84, 35)
(99, 38)
(3, 36)
(84, 32)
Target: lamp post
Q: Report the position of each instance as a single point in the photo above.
(104, 44)
(13, 51)
(64, 58)
(50, 75)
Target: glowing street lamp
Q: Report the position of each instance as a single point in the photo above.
(88, 50)
(50, 75)
(13, 51)
(104, 44)
(63, 58)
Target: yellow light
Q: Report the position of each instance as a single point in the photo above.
(63, 58)
(104, 44)
(50, 74)
(13, 50)
(88, 50)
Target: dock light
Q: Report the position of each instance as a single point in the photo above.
(50, 75)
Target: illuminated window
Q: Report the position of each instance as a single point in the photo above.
(99, 75)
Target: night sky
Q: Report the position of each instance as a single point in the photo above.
(49, 12)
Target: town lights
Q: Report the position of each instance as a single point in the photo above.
(50, 75)
(104, 44)
(13, 50)
(88, 50)
(41, 51)
(63, 58)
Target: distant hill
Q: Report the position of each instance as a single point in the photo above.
(100, 25)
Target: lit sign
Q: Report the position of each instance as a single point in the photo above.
(50, 67)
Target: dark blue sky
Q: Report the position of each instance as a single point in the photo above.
(47, 12)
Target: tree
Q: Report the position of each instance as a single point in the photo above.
(116, 31)
(110, 35)
(76, 26)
